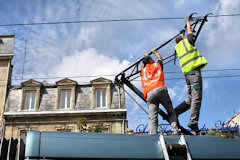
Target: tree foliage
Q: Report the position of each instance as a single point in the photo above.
(224, 134)
(82, 126)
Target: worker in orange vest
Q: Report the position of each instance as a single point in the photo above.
(155, 92)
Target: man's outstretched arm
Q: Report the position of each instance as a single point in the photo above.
(189, 27)
(156, 54)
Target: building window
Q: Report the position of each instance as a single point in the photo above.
(30, 95)
(101, 100)
(66, 94)
(23, 135)
(30, 100)
(105, 130)
(65, 99)
(101, 93)
(63, 130)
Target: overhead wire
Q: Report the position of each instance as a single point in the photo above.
(120, 20)
(177, 78)
(225, 76)
(86, 76)
(111, 20)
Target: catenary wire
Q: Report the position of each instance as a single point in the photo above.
(226, 76)
(117, 20)
(86, 76)
(179, 78)
(111, 20)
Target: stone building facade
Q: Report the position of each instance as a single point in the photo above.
(234, 121)
(6, 55)
(36, 105)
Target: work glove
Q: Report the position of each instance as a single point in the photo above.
(146, 54)
(187, 18)
(182, 31)
(153, 50)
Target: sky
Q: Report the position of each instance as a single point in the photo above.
(106, 48)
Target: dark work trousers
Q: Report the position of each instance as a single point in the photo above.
(155, 97)
(194, 88)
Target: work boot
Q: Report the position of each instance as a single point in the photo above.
(194, 128)
(176, 132)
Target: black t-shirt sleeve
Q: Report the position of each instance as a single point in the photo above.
(190, 39)
(161, 64)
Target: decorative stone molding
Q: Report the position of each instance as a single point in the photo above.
(65, 128)
(101, 83)
(31, 85)
(66, 84)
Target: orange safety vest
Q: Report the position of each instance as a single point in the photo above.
(152, 76)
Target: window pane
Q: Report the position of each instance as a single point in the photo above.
(68, 93)
(23, 136)
(65, 97)
(62, 99)
(33, 97)
(63, 130)
(30, 100)
(105, 130)
(98, 94)
(103, 98)
(27, 100)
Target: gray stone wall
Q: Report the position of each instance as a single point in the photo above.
(13, 102)
(115, 97)
(48, 98)
(83, 97)
(8, 43)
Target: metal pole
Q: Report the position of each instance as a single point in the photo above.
(136, 102)
(200, 27)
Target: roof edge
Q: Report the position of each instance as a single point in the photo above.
(7, 35)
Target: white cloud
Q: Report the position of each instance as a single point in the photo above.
(86, 36)
(222, 35)
(89, 62)
(227, 7)
(205, 85)
(172, 92)
(178, 92)
(180, 3)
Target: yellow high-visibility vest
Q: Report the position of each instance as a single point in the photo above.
(189, 57)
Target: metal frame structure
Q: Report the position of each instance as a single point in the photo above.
(135, 69)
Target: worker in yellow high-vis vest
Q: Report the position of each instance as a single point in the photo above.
(191, 62)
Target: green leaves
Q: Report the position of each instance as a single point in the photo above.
(82, 126)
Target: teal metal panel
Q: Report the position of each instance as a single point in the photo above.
(97, 145)
(68, 145)
(33, 144)
(213, 147)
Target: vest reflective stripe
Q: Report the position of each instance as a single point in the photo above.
(190, 60)
(152, 77)
(145, 84)
(187, 51)
(189, 57)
